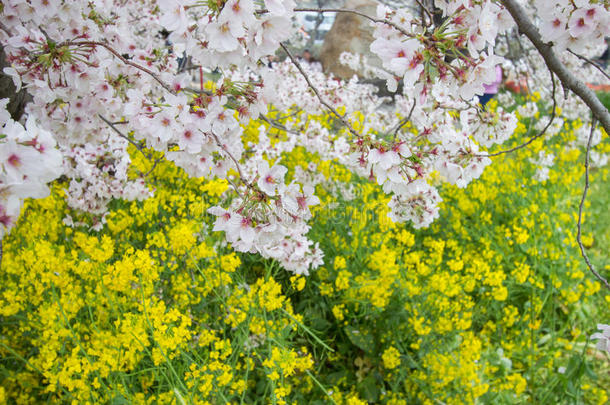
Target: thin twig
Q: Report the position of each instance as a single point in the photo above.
(155, 163)
(122, 59)
(119, 133)
(241, 174)
(345, 10)
(276, 125)
(198, 91)
(138, 147)
(426, 10)
(539, 134)
(405, 120)
(580, 207)
(317, 93)
(589, 61)
(283, 117)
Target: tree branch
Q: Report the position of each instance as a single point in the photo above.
(113, 51)
(128, 139)
(363, 15)
(580, 207)
(405, 120)
(589, 61)
(553, 63)
(275, 125)
(241, 173)
(428, 13)
(317, 93)
(119, 133)
(539, 134)
(198, 91)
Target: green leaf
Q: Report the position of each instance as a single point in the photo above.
(335, 378)
(368, 389)
(320, 324)
(362, 340)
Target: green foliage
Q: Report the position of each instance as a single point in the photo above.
(604, 97)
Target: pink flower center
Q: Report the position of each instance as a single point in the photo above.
(14, 160)
(415, 61)
(302, 201)
(4, 219)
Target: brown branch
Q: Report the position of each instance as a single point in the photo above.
(5, 29)
(426, 11)
(580, 207)
(138, 147)
(317, 93)
(566, 77)
(283, 117)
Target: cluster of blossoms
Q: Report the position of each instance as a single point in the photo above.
(421, 55)
(573, 24)
(98, 174)
(488, 128)
(28, 161)
(270, 219)
(432, 64)
(68, 64)
(99, 85)
(237, 33)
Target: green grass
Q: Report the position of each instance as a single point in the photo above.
(604, 97)
(599, 219)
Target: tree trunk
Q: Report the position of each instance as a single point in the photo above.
(17, 100)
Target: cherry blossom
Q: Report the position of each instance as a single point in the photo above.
(270, 178)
